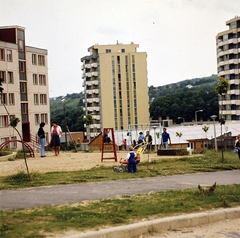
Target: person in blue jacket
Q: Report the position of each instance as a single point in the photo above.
(131, 157)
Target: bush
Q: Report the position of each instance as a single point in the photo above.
(5, 152)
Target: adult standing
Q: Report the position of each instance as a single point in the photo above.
(56, 132)
(41, 135)
(165, 138)
(128, 141)
(141, 138)
(148, 139)
(238, 145)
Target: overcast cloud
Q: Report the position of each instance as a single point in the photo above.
(178, 35)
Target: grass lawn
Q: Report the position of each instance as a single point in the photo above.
(42, 222)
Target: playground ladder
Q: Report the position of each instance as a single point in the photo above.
(109, 147)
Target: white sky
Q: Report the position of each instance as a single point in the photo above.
(178, 35)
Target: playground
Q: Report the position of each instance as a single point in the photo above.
(66, 161)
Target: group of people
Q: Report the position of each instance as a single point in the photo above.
(132, 156)
(148, 139)
(56, 133)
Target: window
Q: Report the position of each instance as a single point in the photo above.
(23, 91)
(3, 121)
(2, 54)
(3, 98)
(35, 99)
(2, 76)
(34, 59)
(13, 145)
(108, 51)
(41, 60)
(43, 99)
(22, 66)
(44, 117)
(23, 87)
(9, 55)
(11, 99)
(24, 108)
(35, 79)
(42, 79)
(21, 45)
(10, 77)
(122, 50)
(37, 121)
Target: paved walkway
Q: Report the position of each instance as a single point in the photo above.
(65, 194)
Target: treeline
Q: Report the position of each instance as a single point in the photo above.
(184, 105)
(172, 100)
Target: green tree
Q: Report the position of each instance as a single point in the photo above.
(221, 89)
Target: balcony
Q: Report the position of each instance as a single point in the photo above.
(90, 109)
(95, 91)
(94, 65)
(96, 109)
(233, 71)
(95, 73)
(88, 83)
(233, 40)
(82, 67)
(83, 83)
(84, 100)
(89, 100)
(95, 82)
(89, 91)
(87, 66)
(92, 126)
(95, 99)
(88, 74)
(235, 81)
(96, 117)
(233, 51)
(234, 91)
(83, 76)
(233, 61)
(235, 102)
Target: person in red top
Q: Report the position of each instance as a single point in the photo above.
(56, 133)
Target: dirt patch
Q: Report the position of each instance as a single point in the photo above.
(66, 161)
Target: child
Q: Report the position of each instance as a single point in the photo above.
(132, 168)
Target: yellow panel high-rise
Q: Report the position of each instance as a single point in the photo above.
(115, 86)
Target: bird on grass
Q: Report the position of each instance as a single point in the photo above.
(208, 190)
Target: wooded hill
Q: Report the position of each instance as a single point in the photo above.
(175, 100)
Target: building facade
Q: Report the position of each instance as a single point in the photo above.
(115, 86)
(228, 62)
(24, 72)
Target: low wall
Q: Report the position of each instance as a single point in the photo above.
(175, 151)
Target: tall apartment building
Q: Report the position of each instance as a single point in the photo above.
(115, 86)
(228, 62)
(24, 72)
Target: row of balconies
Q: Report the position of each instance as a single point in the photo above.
(232, 112)
(232, 61)
(229, 102)
(91, 100)
(230, 41)
(92, 91)
(88, 66)
(93, 126)
(91, 109)
(224, 52)
(231, 71)
(90, 74)
(89, 83)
